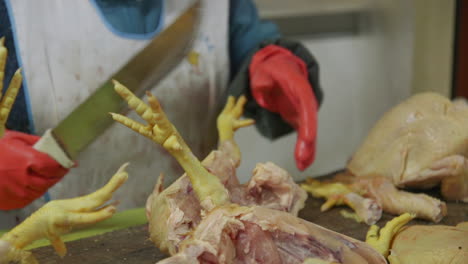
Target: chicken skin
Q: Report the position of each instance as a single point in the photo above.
(419, 144)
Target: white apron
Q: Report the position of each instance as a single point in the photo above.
(67, 52)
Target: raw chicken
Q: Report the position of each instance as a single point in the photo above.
(436, 244)
(180, 205)
(203, 218)
(236, 234)
(420, 143)
(431, 245)
(57, 218)
(270, 186)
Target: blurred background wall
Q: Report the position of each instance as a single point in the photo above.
(372, 54)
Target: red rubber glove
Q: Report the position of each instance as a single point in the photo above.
(25, 173)
(279, 83)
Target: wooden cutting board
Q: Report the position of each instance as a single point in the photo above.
(131, 245)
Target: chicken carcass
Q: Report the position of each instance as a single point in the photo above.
(57, 218)
(437, 244)
(420, 143)
(207, 217)
(420, 244)
(270, 186)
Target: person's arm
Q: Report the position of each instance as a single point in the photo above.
(278, 76)
(247, 32)
(25, 173)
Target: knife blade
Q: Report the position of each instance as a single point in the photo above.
(91, 118)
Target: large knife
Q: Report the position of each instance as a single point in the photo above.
(90, 119)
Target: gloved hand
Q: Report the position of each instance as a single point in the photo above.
(25, 173)
(279, 83)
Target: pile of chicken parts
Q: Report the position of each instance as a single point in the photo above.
(207, 216)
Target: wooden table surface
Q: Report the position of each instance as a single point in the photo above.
(132, 245)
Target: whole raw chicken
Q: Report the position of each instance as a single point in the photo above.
(420, 143)
(208, 217)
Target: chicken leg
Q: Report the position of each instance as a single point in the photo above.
(380, 194)
(59, 217)
(398, 202)
(452, 172)
(210, 191)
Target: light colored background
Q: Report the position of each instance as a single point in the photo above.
(399, 47)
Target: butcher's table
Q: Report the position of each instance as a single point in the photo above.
(131, 244)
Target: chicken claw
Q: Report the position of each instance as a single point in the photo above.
(228, 122)
(210, 191)
(159, 129)
(229, 119)
(7, 100)
(381, 242)
(60, 216)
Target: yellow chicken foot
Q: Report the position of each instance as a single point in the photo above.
(229, 121)
(381, 242)
(366, 210)
(60, 216)
(209, 189)
(7, 100)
